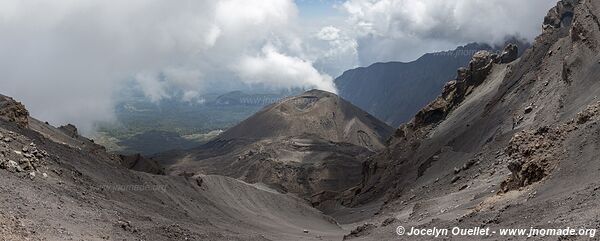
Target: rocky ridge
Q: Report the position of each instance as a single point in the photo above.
(504, 146)
(13, 111)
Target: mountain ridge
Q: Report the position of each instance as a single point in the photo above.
(519, 144)
(394, 91)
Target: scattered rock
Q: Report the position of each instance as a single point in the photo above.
(388, 221)
(455, 179)
(587, 114)
(532, 155)
(360, 231)
(305, 231)
(32, 175)
(11, 166)
(469, 164)
(126, 225)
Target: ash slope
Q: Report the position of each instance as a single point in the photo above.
(517, 150)
(313, 144)
(317, 113)
(60, 186)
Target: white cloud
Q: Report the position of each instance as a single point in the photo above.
(65, 58)
(329, 33)
(153, 87)
(275, 69)
(340, 52)
(404, 29)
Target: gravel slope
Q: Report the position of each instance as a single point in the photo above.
(79, 192)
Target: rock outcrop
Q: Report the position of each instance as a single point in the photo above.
(13, 111)
(394, 92)
(509, 54)
(532, 155)
(455, 91)
(561, 15)
(69, 130)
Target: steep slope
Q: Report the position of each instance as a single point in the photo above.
(515, 150)
(395, 91)
(315, 112)
(312, 144)
(58, 186)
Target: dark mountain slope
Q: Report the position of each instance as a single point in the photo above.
(312, 144)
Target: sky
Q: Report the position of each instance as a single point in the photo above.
(319, 9)
(66, 60)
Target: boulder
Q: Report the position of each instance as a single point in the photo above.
(560, 15)
(480, 66)
(13, 111)
(509, 54)
(69, 130)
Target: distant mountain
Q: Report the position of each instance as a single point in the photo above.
(393, 92)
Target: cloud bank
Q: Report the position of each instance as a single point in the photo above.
(65, 58)
(405, 29)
